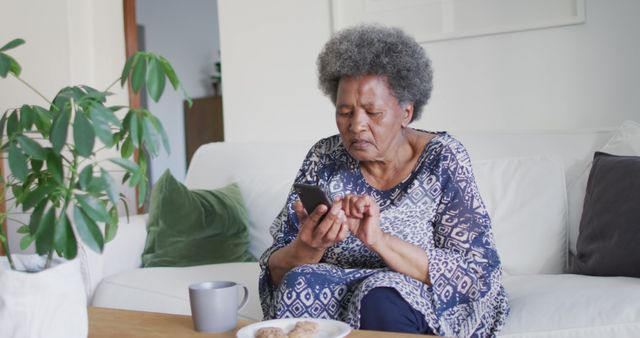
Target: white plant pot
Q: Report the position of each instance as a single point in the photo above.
(48, 303)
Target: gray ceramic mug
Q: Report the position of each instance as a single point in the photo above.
(215, 305)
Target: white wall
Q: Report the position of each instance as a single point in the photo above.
(582, 76)
(69, 42)
(269, 76)
(186, 33)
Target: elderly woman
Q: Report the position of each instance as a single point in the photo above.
(407, 244)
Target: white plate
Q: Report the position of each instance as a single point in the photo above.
(328, 328)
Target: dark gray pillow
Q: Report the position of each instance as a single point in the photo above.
(610, 225)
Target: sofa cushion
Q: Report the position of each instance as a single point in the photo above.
(526, 199)
(166, 290)
(625, 141)
(610, 226)
(264, 194)
(195, 227)
(572, 306)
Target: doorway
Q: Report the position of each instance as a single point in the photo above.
(186, 33)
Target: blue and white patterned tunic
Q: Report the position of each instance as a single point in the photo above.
(437, 208)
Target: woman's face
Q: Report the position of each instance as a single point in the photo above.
(370, 118)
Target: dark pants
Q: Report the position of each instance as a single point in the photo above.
(383, 309)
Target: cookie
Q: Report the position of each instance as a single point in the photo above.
(270, 332)
(303, 329)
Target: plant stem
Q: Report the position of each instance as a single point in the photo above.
(67, 200)
(5, 246)
(49, 260)
(32, 88)
(113, 84)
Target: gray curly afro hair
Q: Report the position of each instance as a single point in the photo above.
(378, 50)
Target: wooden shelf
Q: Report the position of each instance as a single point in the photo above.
(203, 123)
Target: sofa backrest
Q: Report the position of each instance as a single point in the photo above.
(522, 177)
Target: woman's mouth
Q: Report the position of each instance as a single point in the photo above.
(360, 144)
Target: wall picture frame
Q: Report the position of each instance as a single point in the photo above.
(435, 20)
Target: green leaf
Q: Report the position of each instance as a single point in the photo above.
(43, 120)
(186, 96)
(9, 65)
(127, 148)
(23, 230)
(59, 130)
(150, 136)
(12, 44)
(142, 191)
(85, 176)
(125, 205)
(111, 227)
(27, 117)
(38, 194)
(93, 207)
(94, 94)
(110, 186)
(54, 164)
(135, 179)
(44, 235)
(17, 192)
(83, 135)
(14, 66)
(138, 75)
(168, 70)
(126, 164)
(97, 187)
(155, 79)
(163, 134)
(5, 65)
(88, 230)
(36, 165)
(25, 242)
(17, 162)
(125, 177)
(64, 240)
(31, 147)
(36, 216)
(13, 126)
(102, 117)
(106, 114)
(131, 61)
(134, 130)
(3, 122)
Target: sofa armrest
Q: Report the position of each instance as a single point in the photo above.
(123, 253)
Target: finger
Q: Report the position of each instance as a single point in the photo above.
(346, 202)
(333, 231)
(317, 214)
(300, 213)
(329, 218)
(344, 232)
(361, 205)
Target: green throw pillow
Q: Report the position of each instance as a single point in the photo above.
(195, 227)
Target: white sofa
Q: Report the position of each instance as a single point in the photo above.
(527, 179)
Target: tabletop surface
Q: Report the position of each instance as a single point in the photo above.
(110, 323)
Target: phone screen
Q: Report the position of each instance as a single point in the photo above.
(311, 196)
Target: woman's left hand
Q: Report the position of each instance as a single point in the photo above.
(363, 218)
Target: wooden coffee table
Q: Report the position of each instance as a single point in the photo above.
(109, 323)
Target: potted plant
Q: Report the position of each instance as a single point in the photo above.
(58, 175)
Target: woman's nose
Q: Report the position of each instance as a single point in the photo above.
(358, 121)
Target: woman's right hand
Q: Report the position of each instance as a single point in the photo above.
(315, 235)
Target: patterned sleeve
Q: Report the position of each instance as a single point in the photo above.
(285, 228)
(464, 267)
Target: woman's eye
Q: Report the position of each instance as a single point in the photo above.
(344, 113)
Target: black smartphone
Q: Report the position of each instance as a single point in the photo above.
(311, 196)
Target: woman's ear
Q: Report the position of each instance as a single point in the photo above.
(407, 115)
